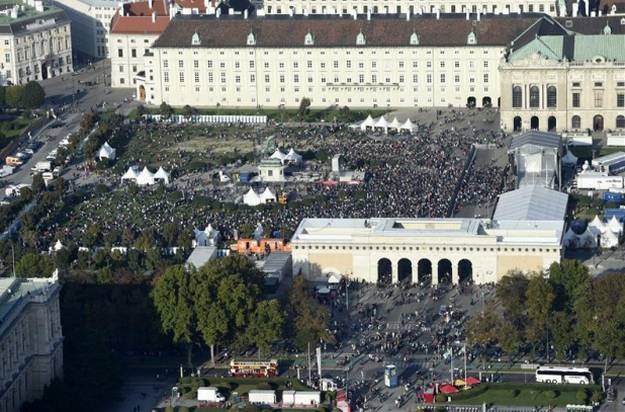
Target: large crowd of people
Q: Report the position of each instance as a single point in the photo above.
(419, 175)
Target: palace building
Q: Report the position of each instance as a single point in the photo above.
(525, 235)
(31, 339)
(384, 61)
(35, 42)
(568, 81)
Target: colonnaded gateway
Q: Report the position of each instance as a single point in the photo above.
(524, 235)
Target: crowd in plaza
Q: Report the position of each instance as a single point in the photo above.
(405, 175)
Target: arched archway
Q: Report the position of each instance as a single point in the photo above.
(445, 270)
(465, 271)
(597, 123)
(404, 271)
(517, 124)
(534, 123)
(142, 93)
(576, 122)
(385, 271)
(487, 102)
(551, 123)
(471, 100)
(620, 122)
(44, 71)
(424, 271)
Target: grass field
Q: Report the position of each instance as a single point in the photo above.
(508, 394)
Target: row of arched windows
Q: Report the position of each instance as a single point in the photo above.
(576, 122)
(534, 96)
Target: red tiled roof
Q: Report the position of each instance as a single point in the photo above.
(142, 8)
(333, 31)
(139, 24)
(192, 4)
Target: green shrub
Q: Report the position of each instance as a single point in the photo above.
(183, 409)
(551, 394)
(597, 396)
(582, 396)
(169, 409)
(441, 398)
(515, 392)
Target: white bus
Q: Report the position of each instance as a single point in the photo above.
(562, 374)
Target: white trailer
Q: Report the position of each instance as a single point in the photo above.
(262, 397)
(308, 398)
(288, 398)
(209, 394)
(42, 167)
(598, 181)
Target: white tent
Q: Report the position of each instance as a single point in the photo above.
(106, 152)
(334, 279)
(58, 246)
(368, 122)
(162, 175)
(131, 174)
(278, 155)
(223, 178)
(267, 196)
(382, 124)
(145, 177)
(597, 226)
(615, 226)
(609, 239)
(408, 125)
(569, 158)
(251, 198)
(394, 124)
(293, 157)
(206, 237)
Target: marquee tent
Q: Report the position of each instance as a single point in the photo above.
(447, 389)
(162, 175)
(394, 124)
(367, 123)
(569, 158)
(278, 155)
(267, 196)
(293, 157)
(409, 126)
(615, 226)
(145, 177)
(251, 198)
(131, 173)
(382, 124)
(106, 152)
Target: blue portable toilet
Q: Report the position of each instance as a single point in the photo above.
(390, 376)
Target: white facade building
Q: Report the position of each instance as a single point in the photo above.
(35, 42)
(31, 340)
(91, 21)
(385, 61)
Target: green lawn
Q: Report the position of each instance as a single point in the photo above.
(509, 394)
(10, 129)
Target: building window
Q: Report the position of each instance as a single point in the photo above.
(133, 53)
(534, 97)
(517, 96)
(120, 53)
(576, 99)
(620, 122)
(209, 64)
(196, 64)
(576, 122)
(165, 64)
(552, 96)
(196, 76)
(166, 77)
(486, 78)
(181, 77)
(598, 98)
(442, 77)
(620, 100)
(181, 63)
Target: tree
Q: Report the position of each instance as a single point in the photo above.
(88, 121)
(562, 332)
(165, 110)
(309, 317)
(32, 265)
(38, 185)
(13, 96)
(570, 279)
(511, 293)
(482, 329)
(266, 324)
(3, 93)
(540, 298)
(141, 111)
(304, 104)
(33, 95)
(173, 299)
(188, 111)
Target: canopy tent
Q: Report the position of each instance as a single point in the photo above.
(334, 279)
(588, 239)
(145, 177)
(223, 178)
(293, 158)
(267, 196)
(251, 198)
(569, 158)
(382, 124)
(394, 124)
(597, 225)
(131, 174)
(472, 381)
(458, 383)
(408, 125)
(106, 152)
(447, 389)
(609, 239)
(367, 123)
(278, 155)
(615, 226)
(162, 175)
(58, 246)
(207, 237)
